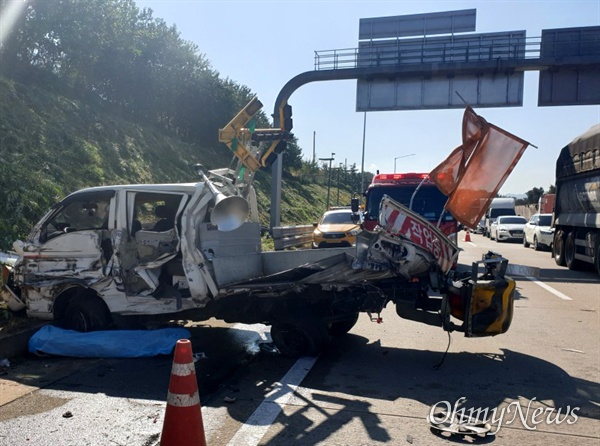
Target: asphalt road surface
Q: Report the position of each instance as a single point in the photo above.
(376, 385)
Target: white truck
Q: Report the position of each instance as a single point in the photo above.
(498, 207)
(105, 256)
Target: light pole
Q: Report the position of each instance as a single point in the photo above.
(338, 184)
(398, 157)
(362, 164)
(329, 180)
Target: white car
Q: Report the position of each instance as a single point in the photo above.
(508, 227)
(538, 232)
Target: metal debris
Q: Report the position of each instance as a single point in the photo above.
(198, 356)
(465, 426)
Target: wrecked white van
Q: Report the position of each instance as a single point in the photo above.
(187, 251)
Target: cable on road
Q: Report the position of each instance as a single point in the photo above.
(439, 365)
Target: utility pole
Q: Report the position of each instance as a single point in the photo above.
(329, 180)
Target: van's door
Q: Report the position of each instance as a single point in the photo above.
(149, 248)
(72, 243)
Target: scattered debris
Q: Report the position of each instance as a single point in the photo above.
(198, 356)
(67, 414)
(466, 426)
(573, 350)
(229, 400)
(269, 347)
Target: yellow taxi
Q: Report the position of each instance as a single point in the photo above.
(337, 228)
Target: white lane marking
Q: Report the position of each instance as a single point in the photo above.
(260, 421)
(548, 288)
(472, 244)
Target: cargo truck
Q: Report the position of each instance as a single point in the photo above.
(577, 205)
(546, 204)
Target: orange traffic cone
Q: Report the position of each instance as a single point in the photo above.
(183, 424)
(468, 236)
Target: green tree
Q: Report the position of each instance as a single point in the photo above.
(88, 88)
(534, 195)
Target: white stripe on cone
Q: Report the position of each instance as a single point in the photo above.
(183, 369)
(179, 400)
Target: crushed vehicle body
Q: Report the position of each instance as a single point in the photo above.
(111, 255)
(105, 254)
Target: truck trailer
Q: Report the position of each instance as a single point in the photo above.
(577, 206)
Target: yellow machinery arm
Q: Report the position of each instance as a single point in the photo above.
(238, 134)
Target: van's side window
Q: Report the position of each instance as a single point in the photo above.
(155, 212)
(79, 214)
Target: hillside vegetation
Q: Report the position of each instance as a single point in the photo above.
(99, 92)
(52, 145)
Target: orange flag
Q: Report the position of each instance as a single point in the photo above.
(474, 172)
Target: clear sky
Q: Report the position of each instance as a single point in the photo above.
(263, 44)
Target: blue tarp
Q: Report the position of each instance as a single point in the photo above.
(106, 344)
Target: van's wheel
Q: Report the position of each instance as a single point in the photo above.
(570, 248)
(342, 327)
(86, 313)
(536, 245)
(302, 336)
(525, 242)
(559, 248)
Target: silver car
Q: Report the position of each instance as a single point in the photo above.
(508, 227)
(538, 232)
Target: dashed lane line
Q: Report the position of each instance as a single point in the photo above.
(548, 288)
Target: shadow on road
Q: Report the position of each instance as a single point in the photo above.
(397, 375)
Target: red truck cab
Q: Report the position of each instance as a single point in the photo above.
(415, 191)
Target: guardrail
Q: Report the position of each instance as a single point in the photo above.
(290, 236)
(432, 50)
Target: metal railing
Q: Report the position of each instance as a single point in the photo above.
(400, 52)
(292, 236)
